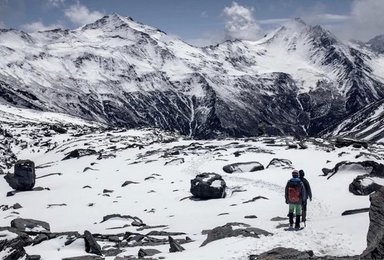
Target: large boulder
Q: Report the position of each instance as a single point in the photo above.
(24, 176)
(25, 224)
(375, 237)
(208, 186)
(345, 142)
(364, 185)
(233, 230)
(243, 167)
(91, 245)
(283, 163)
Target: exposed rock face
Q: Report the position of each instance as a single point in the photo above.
(23, 224)
(282, 253)
(373, 168)
(233, 230)
(208, 186)
(91, 246)
(375, 237)
(345, 142)
(243, 167)
(363, 185)
(24, 176)
(77, 153)
(284, 163)
(174, 246)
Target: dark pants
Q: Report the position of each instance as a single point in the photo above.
(304, 211)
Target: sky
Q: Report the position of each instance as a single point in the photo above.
(202, 22)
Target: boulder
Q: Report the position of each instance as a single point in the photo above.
(24, 176)
(91, 245)
(283, 163)
(208, 186)
(233, 230)
(344, 142)
(372, 168)
(375, 236)
(363, 185)
(243, 167)
(23, 224)
(174, 246)
(77, 153)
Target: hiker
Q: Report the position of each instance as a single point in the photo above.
(294, 194)
(308, 195)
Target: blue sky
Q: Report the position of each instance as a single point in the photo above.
(201, 22)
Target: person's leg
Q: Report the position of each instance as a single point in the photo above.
(290, 214)
(304, 212)
(298, 211)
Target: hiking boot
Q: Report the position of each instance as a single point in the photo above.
(297, 223)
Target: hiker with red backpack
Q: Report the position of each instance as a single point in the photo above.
(294, 195)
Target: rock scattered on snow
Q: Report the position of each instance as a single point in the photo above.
(208, 186)
(243, 167)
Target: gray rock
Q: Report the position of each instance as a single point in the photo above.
(174, 246)
(243, 167)
(208, 186)
(363, 185)
(22, 224)
(228, 230)
(375, 236)
(77, 153)
(282, 253)
(85, 257)
(24, 176)
(147, 252)
(284, 163)
(373, 168)
(91, 246)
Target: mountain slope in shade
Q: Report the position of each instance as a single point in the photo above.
(299, 80)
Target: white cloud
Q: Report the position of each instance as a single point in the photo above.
(367, 18)
(80, 14)
(56, 3)
(240, 23)
(2, 24)
(38, 26)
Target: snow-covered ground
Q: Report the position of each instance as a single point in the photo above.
(162, 199)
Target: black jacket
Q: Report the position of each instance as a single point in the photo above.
(307, 189)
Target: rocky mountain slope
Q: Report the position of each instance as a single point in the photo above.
(299, 80)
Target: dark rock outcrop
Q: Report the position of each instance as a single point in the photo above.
(24, 176)
(22, 224)
(174, 246)
(243, 167)
(373, 168)
(375, 236)
(282, 253)
(77, 153)
(233, 230)
(91, 245)
(208, 186)
(345, 142)
(363, 185)
(284, 163)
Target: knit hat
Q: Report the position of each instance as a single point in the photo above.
(295, 173)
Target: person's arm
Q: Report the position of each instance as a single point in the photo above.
(309, 191)
(286, 193)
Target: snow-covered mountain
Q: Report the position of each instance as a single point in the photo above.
(299, 80)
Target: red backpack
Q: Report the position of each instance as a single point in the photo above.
(294, 194)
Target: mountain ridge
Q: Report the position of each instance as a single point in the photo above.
(299, 81)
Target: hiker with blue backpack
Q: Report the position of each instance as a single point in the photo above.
(294, 194)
